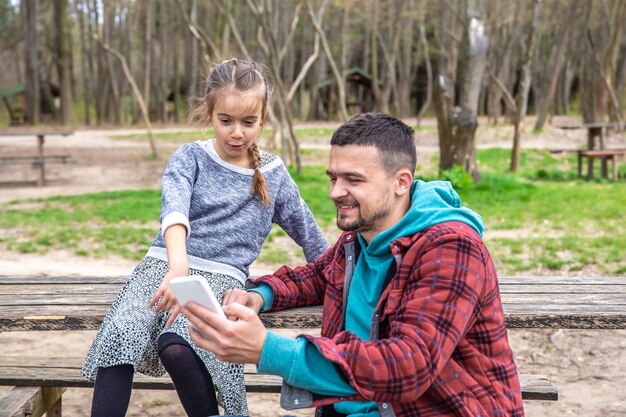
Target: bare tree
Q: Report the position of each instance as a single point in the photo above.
(63, 59)
(316, 18)
(521, 99)
(30, 11)
(557, 57)
(457, 124)
(136, 92)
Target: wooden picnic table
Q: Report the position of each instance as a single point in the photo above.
(35, 303)
(79, 303)
(597, 131)
(40, 159)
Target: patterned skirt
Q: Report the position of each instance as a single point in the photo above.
(130, 330)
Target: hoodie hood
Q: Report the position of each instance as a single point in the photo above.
(432, 203)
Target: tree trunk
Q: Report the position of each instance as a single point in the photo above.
(147, 53)
(63, 59)
(429, 70)
(521, 99)
(85, 70)
(338, 75)
(545, 100)
(457, 142)
(30, 11)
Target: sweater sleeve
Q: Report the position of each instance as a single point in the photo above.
(177, 187)
(294, 216)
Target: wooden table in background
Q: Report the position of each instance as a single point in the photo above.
(40, 159)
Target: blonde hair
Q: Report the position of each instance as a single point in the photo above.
(241, 76)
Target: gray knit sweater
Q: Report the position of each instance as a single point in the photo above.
(226, 223)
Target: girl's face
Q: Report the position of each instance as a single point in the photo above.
(238, 121)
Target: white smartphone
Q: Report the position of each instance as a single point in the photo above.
(195, 288)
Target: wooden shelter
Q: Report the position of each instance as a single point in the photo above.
(14, 100)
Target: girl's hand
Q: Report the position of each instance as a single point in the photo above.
(164, 299)
(251, 299)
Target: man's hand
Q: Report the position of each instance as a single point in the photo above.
(239, 341)
(249, 299)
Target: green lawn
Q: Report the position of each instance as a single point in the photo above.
(541, 218)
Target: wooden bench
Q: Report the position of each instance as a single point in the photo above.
(79, 303)
(40, 160)
(606, 155)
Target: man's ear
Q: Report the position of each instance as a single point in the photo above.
(404, 181)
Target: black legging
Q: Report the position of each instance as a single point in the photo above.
(191, 379)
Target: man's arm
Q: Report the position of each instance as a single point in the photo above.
(297, 287)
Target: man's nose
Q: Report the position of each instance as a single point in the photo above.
(338, 190)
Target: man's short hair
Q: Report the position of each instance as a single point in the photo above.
(393, 139)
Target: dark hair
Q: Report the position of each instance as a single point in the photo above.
(393, 139)
(240, 76)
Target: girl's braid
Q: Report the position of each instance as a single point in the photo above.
(258, 179)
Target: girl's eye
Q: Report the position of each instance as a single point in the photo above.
(249, 123)
(224, 121)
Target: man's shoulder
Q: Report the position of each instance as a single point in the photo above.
(436, 233)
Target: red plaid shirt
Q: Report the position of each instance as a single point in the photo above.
(442, 346)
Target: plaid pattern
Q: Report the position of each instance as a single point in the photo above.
(443, 348)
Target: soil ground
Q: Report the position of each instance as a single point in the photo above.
(587, 366)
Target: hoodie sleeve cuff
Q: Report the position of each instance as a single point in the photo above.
(266, 292)
(173, 218)
(278, 355)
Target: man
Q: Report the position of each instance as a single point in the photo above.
(412, 323)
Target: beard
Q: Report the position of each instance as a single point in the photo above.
(364, 222)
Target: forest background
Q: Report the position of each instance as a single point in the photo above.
(120, 62)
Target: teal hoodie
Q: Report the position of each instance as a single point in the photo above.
(298, 361)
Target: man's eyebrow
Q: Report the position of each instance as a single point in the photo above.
(344, 174)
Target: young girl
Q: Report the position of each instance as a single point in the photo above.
(220, 198)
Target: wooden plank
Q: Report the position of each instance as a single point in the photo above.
(578, 280)
(59, 289)
(563, 289)
(516, 316)
(503, 280)
(31, 402)
(114, 288)
(38, 132)
(538, 387)
(33, 376)
(570, 300)
(65, 372)
(69, 279)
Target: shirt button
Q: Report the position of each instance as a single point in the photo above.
(296, 401)
(349, 258)
(385, 405)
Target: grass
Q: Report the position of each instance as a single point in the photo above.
(542, 218)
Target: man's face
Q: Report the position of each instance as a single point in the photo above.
(360, 189)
